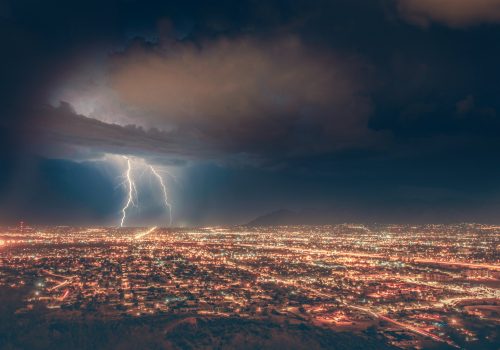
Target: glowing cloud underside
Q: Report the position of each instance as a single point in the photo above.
(165, 196)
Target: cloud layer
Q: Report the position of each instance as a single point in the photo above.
(454, 13)
(245, 95)
(62, 133)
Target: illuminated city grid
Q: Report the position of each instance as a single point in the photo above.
(415, 284)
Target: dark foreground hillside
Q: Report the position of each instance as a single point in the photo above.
(39, 329)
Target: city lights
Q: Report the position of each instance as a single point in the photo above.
(415, 284)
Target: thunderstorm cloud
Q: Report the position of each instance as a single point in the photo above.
(243, 95)
(454, 13)
(66, 134)
(386, 114)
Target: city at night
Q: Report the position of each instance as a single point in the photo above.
(249, 174)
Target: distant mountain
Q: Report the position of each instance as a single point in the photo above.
(278, 217)
(308, 216)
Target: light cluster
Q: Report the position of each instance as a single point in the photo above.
(414, 284)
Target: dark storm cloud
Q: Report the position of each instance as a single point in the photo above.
(454, 13)
(247, 95)
(62, 133)
(389, 113)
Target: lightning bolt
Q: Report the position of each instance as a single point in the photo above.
(165, 195)
(131, 191)
(129, 184)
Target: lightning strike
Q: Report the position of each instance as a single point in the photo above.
(131, 192)
(130, 186)
(165, 195)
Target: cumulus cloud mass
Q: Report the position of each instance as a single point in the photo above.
(270, 98)
(454, 13)
(244, 94)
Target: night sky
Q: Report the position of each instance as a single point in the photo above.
(341, 110)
